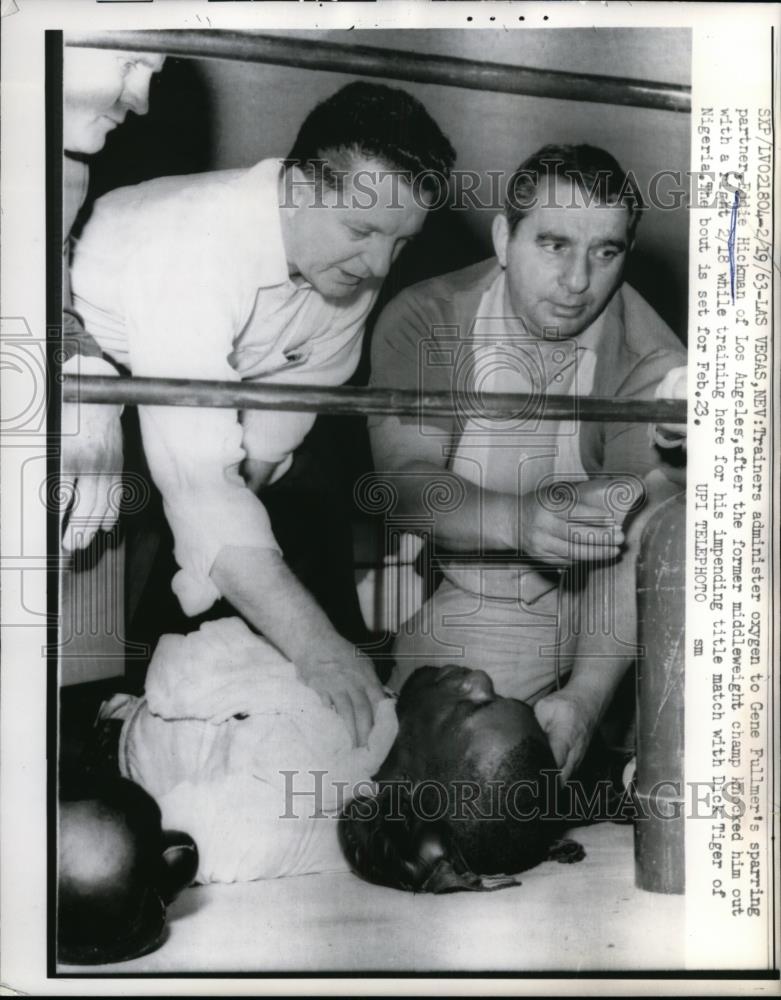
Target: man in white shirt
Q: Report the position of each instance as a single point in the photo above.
(100, 87)
(263, 273)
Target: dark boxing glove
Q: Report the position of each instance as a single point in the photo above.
(117, 871)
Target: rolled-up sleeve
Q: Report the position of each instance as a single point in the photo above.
(182, 316)
(399, 359)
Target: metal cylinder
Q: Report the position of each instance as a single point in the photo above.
(661, 601)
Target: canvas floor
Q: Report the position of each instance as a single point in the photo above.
(582, 917)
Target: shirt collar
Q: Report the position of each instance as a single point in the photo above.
(262, 181)
(591, 336)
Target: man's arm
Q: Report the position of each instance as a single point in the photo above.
(223, 539)
(225, 547)
(570, 717)
(487, 520)
(91, 468)
(260, 585)
(91, 436)
(413, 455)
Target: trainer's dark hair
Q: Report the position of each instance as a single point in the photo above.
(595, 171)
(391, 839)
(373, 121)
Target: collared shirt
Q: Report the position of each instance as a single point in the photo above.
(186, 277)
(422, 335)
(519, 454)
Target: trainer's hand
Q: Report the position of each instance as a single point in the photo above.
(350, 685)
(571, 522)
(568, 720)
(91, 461)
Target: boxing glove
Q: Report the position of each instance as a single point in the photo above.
(116, 872)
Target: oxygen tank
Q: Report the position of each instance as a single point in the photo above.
(661, 605)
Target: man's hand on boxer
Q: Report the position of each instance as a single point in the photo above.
(91, 463)
(572, 522)
(350, 686)
(568, 718)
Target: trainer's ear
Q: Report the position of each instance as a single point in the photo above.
(385, 842)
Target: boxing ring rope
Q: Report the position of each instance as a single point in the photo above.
(347, 400)
(395, 64)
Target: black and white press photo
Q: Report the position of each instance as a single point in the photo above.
(380, 512)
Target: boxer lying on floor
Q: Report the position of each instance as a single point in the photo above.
(459, 796)
(246, 759)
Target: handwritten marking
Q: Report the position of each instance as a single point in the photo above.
(733, 225)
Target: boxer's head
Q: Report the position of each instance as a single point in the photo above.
(463, 793)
